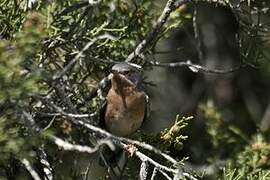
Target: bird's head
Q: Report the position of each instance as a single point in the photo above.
(127, 72)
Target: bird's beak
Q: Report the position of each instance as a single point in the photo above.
(113, 73)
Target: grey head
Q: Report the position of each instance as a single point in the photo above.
(130, 71)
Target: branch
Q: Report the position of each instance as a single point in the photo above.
(197, 32)
(73, 7)
(47, 168)
(83, 149)
(68, 114)
(33, 173)
(68, 146)
(107, 134)
(170, 6)
(119, 140)
(126, 140)
(195, 67)
(154, 173)
(165, 175)
(144, 170)
(80, 54)
(145, 159)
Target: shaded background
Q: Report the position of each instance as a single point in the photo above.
(229, 109)
(242, 97)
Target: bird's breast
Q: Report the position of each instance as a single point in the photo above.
(123, 118)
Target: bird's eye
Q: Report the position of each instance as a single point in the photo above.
(124, 72)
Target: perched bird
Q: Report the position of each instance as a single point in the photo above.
(123, 112)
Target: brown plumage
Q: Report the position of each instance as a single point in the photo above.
(125, 108)
(122, 114)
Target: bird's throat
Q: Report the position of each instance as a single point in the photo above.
(119, 82)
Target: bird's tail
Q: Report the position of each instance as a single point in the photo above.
(115, 160)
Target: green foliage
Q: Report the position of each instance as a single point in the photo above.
(76, 41)
(246, 159)
(10, 141)
(37, 43)
(18, 79)
(12, 15)
(173, 136)
(251, 163)
(18, 73)
(223, 134)
(127, 22)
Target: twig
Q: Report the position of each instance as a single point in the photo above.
(117, 139)
(170, 6)
(50, 123)
(137, 153)
(189, 176)
(197, 32)
(109, 135)
(93, 2)
(83, 149)
(80, 54)
(179, 175)
(143, 157)
(206, 169)
(86, 149)
(68, 114)
(33, 173)
(73, 7)
(120, 140)
(154, 173)
(143, 170)
(47, 168)
(31, 124)
(86, 174)
(61, 92)
(165, 175)
(196, 67)
(126, 140)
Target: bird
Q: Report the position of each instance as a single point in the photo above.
(123, 113)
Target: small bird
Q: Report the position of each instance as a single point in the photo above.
(123, 112)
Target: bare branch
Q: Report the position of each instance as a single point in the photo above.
(47, 168)
(170, 6)
(80, 54)
(50, 123)
(154, 173)
(165, 175)
(83, 149)
(145, 159)
(197, 32)
(93, 2)
(33, 173)
(126, 140)
(143, 170)
(73, 7)
(68, 114)
(142, 157)
(195, 67)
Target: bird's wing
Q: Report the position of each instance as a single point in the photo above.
(147, 108)
(102, 115)
(104, 87)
